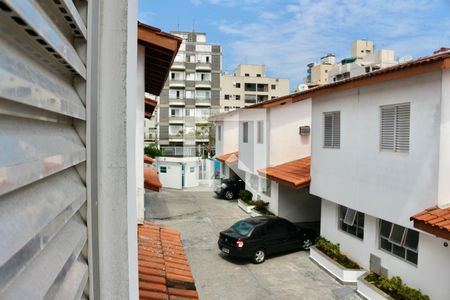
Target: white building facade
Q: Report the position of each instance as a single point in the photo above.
(376, 155)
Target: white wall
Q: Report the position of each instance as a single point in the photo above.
(174, 176)
(429, 275)
(389, 185)
(191, 173)
(171, 179)
(285, 142)
(444, 146)
(140, 107)
(252, 156)
(297, 205)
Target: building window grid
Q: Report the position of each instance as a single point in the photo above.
(351, 221)
(399, 241)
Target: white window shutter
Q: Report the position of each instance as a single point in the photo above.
(395, 127)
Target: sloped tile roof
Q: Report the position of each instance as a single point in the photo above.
(229, 158)
(151, 180)
(295, 173)
(164, 271)
(434, 220)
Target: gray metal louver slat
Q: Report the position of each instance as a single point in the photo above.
(395, 127)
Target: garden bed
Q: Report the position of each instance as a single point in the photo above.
(374, 287)
(245, 207)
(328, 256)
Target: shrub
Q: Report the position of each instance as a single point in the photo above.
(333, 251)
(152, 151)
(246, 196)
(262, 207)
(395, 288)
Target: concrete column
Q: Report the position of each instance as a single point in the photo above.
(444, 147)
(111, 143)
(140, 107)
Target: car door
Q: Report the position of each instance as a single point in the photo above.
(276, 237)
(294, 237)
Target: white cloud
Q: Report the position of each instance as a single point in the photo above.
(304, 30)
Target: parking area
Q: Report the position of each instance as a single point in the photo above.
(199, 216)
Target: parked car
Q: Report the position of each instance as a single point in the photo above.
(229, 188)
(257, 237)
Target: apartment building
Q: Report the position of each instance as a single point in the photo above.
(268, 146)
(190, 95)
(249, 85)
(364, 59)
(380, 155)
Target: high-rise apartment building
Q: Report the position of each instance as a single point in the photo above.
(190, 95)
(249, 85)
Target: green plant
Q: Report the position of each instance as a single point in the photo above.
(395, 288)
(333, 251)
(246, 196)
(152, 151)
(262, 207)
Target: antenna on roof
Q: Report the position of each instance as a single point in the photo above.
(193, 25)
(178, 24)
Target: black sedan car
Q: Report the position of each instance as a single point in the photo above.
(229, 188)
(258, 237)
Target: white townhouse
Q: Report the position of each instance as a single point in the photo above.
(268, 146)
(380, 155)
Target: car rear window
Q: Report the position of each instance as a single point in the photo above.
(242, 227)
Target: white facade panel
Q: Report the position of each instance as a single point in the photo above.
(384, 184)
(433, 257)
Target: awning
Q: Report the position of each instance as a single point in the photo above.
(295, 173)
(164, 271)
(151, 180)
(160, 51)
(229, 158)
(434, 220)
(150, 106)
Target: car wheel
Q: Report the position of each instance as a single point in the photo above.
(259, 256)
(307, 243)
(229, 195)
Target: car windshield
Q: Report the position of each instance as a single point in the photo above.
(242, 227)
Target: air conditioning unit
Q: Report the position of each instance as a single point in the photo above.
(304, 130)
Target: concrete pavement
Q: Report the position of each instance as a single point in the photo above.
(199, 216)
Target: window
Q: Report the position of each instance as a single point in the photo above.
(266, 186)
(273, 86)
(258, 75)
(245, 132)
(227, 97)
(162, 169)
(238, 97)
(238, 85)
(351, 221)
(260, 132)
(192, 169)
(250, 87)
(219, 132)
(254, 182)
(399, 241)
(395, 125)
(247, 75)
(332, 130)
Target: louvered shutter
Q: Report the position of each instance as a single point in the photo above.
(43, 232)
(332, 129)
(395, 127)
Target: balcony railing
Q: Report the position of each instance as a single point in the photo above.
(177, 101)
(203, 66)
(203, 101)
(177, 83)
(186, 151)
(176, 119)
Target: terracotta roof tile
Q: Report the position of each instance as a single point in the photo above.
(295, 173)
(229, 158)
(151, 180)
(164, 271)
(434, 220)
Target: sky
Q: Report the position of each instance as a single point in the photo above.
(286, 35)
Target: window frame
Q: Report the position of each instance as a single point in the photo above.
(335, 134)
(219, 133)
(162, 169)
(398, 131)
(260, 132)
(357, 228)
(245, 129)
(407, 250)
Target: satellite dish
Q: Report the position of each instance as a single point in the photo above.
(405, 59)
(302, 87)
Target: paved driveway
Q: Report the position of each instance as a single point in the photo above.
(199, 216)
